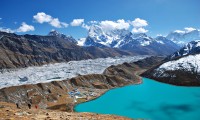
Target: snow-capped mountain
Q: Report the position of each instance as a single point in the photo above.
(183, 37)
(99, 37)
(192, 47)
(124, 39)
(183, 71)
(180, 68)
(61, 35)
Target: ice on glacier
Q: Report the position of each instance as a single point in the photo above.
(60, 71)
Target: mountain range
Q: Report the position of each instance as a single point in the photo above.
(32, 50)
(138, 43)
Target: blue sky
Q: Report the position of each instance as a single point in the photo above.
(161, 16)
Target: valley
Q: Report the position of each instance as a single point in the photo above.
(57, 95)
(58, 65)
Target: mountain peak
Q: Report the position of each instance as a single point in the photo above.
(106, 37)
(192, 47)
(95, 30)
(139, 35)
(61, 35)
(54, 33)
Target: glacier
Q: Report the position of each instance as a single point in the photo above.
(60, 71)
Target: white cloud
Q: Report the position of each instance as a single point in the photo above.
(8, 30)
(93, 22)
(55, 23)
(189, 29)
(137, 23)
(77, 22)
(186, 30)
(25, 28)
(87, 27)
(64, 24)
(0, 18)
(139, 30)
(112, 25)
(179, 31)
(108, 25)
(42, 17)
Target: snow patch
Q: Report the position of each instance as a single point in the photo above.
(81, 41)
(189, 63)
(145, 43)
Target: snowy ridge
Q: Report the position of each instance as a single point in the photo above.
(123, 39)
(189, 48)
(116, 38)
(106, 37)
(189, 63)
(60, 71)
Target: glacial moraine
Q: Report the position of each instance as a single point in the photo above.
(60, 71)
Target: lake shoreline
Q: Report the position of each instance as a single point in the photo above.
(176, 98)
(139, 82)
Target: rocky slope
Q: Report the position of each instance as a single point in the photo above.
(60, 94)
(63, 36)
(180, 68)
(182, 71)
(31, 50)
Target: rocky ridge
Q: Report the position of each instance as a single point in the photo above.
(33, 50)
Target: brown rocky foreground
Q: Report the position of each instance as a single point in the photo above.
(8, 111)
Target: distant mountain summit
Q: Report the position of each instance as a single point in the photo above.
(63, 36)
(99, 37)
(183, 37)
(192, 47)
(124, 39)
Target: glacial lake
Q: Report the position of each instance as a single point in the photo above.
(150, 100)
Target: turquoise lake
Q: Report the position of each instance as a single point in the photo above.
(150, 100)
